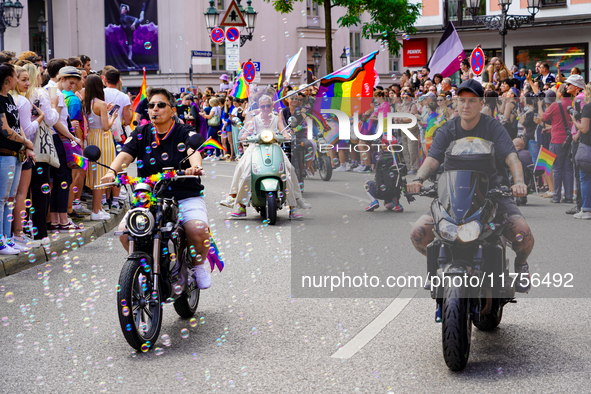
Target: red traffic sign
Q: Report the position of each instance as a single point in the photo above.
(477, 61)
(217, 35)
(232, 34)
(233, 16)
(249, 71)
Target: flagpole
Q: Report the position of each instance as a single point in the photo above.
(536, 166)
(299, 90)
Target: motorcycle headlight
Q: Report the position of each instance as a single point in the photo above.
(448, 230)
(469, 232)
(267, 136)
(140, 222)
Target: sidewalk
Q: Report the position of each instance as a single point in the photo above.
(10, 265)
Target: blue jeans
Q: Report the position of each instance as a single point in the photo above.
(585, 191)
(10, 174)
(563, 173)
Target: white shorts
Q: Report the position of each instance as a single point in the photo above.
(193, 209)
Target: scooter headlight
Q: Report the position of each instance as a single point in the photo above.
(267, 136)
(470, 231)
(448, 230)
(140, 222)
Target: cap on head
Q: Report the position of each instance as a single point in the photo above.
(69, 71)
(577, 80)
(550, 96)
(472, 86)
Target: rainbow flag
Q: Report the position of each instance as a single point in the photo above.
(341, 89)
(284, 79)
(141, 95)
(214, 255)
(430, 130)
(240, 89)
(545, 160)
(211, 143)
(81, 161)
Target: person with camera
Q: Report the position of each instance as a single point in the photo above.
(582, 140)
(561, 138)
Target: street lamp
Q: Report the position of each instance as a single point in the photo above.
(41, 25)
(211, 16)
(10, 15)
(344, 57)
(317, 57)
(503, 22)
(250, 16)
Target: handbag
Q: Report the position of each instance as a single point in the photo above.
(583, 157)
(215, 120)
(43, 146)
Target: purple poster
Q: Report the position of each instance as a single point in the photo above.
(131, 34)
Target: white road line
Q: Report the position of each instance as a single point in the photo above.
(374, 328)
(350, 196)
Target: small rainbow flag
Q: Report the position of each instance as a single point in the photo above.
(545, 160)
(81, 161)
(211, 143)
(240, 89)
(141, 95)
(214, 255)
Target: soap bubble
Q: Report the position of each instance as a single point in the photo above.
(315, 20)
(263, 38)
(10, 298)
(40, 170)
(181, 147)
(284, 20)
(405, 37)
(140, 164)
(286, 34)
(164, 156)
(148, 45)
(28, 203)
(185, 333)
(45, 188)
(10, 175)
(148, 149)
(64, 185)
(193, 322)
(152, 161)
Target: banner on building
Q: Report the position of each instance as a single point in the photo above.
(414, 52)
(131, 34)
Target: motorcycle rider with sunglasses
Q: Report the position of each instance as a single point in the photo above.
(164, 143)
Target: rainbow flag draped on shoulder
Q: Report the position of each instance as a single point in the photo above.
(343, 88)
(545, 160)
(240, 89)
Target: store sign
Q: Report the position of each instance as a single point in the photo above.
(414, 52)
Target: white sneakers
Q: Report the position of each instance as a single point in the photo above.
(6, 248)
(341, 168)
(24, 240)
(101, 215)
(582, 215)
(201, 275)
(81, 209)
(303, 204)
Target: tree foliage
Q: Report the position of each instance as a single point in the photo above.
(388, 17)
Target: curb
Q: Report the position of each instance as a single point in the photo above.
(10, 265)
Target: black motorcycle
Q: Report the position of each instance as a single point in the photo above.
(156, 271)
(467, 263)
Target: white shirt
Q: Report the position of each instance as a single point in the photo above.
(24, 113)
(51, 115)
(61, 104)
(117, 97)
(224, 86)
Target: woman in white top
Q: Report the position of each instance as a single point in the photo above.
(29, 125)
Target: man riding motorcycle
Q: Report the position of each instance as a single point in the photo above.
(264, 120)
(160, 144)
(471, 123)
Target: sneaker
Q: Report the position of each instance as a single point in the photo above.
(84, 196)
(54, 227)
(7, 250)
(555, 201)
(362, 168)
(565, 201)
(201, 275)
(372, 206)
(309, 173)
(240, 212)
(105, 214)
(24, 240)
(101, 215)
(228, 202)
(294, 214)
(115, 209)
(351, 166)
(519, 270)
(303, 204)
(573, 210)
(8, 242)
(81, 209)
(105, 207)
(395, 205)
(341, 168)
(583, 215)
(69, 226)
(412, 172)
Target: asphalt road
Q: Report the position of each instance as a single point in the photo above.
(60, 331)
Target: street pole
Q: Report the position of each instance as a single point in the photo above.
(2, 30)
(503, 34)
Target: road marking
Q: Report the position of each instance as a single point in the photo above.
(374, 328)
(350, 196)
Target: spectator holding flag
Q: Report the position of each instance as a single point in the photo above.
(584, 138)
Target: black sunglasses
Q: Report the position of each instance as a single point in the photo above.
(160, 105)
(266, 106)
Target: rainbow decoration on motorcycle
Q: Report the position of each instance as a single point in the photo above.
(144, 199)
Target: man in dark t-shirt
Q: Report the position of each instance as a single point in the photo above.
(471, 123)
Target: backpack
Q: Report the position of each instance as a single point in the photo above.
(388, 174)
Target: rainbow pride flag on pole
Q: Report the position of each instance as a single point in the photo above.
(284, 78)
(342, 89)
(214, 255)
(211, 143)
(141, 95)
(545, 160)
(81, 161)
(240, 89)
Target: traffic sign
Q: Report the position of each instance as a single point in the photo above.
(233, 16)
(477, 60)
(232, 34)
(249, 71)
(217, 35)
(257, 67)
(201, 53)
(232, 53)
(182, 90)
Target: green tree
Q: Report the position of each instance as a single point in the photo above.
(387, 18)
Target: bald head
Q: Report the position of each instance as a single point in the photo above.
(518, 143)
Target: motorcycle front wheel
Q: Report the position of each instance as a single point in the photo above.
(139, 310)
(325, 167)
(271, 208)
(456, 328)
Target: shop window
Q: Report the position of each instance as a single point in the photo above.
(569, 56)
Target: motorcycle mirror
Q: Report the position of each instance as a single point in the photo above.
(292, 121)
(92, 153)
(195, 141)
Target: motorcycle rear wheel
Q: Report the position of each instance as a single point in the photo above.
(325, 167)
(271, 208)
(186, 305)
(143, 321)
(456, 328)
